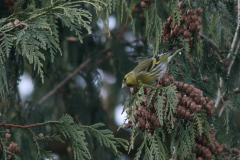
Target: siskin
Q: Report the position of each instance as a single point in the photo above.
(149, 70)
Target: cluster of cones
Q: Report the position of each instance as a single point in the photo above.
(190, 100)
(190, 24)
(146, 3)
(204, 149)
(10, 147)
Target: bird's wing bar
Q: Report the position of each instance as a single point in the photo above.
(151, 63)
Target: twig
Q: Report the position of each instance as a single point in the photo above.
(214, 45)
(123, 29)
(52, 92)
(20, 126)
(109, 55)
(104, 51)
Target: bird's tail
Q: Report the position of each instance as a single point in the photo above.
(173, 52)
(165, 57)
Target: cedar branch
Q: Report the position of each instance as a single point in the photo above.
(20, 126)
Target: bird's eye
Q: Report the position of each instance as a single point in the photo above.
(125, 79)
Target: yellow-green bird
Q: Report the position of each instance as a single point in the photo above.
(149, 70)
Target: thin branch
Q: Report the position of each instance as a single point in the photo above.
(20, 126)
(214, 45)
(123, 29)
(235, 44)
(52, 92)
(105, 50)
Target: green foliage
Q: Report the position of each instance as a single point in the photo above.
(160, 101)
(75, 133)
(105, 138)
(175, 12)
(153, 145)
(33, 34)
(171, 107)
(181, 141)
(153, 28)
(199, 124)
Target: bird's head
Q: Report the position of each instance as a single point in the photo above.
(129, 80)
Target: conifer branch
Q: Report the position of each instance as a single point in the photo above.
(52, 92)
(214, 45)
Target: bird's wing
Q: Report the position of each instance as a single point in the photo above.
(156, 73)
(150, 64)
(143, 66)
(145, 77)
(161, 58)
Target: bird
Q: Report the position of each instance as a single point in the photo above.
(149, 70)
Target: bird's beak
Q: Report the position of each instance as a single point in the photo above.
(124, 85)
